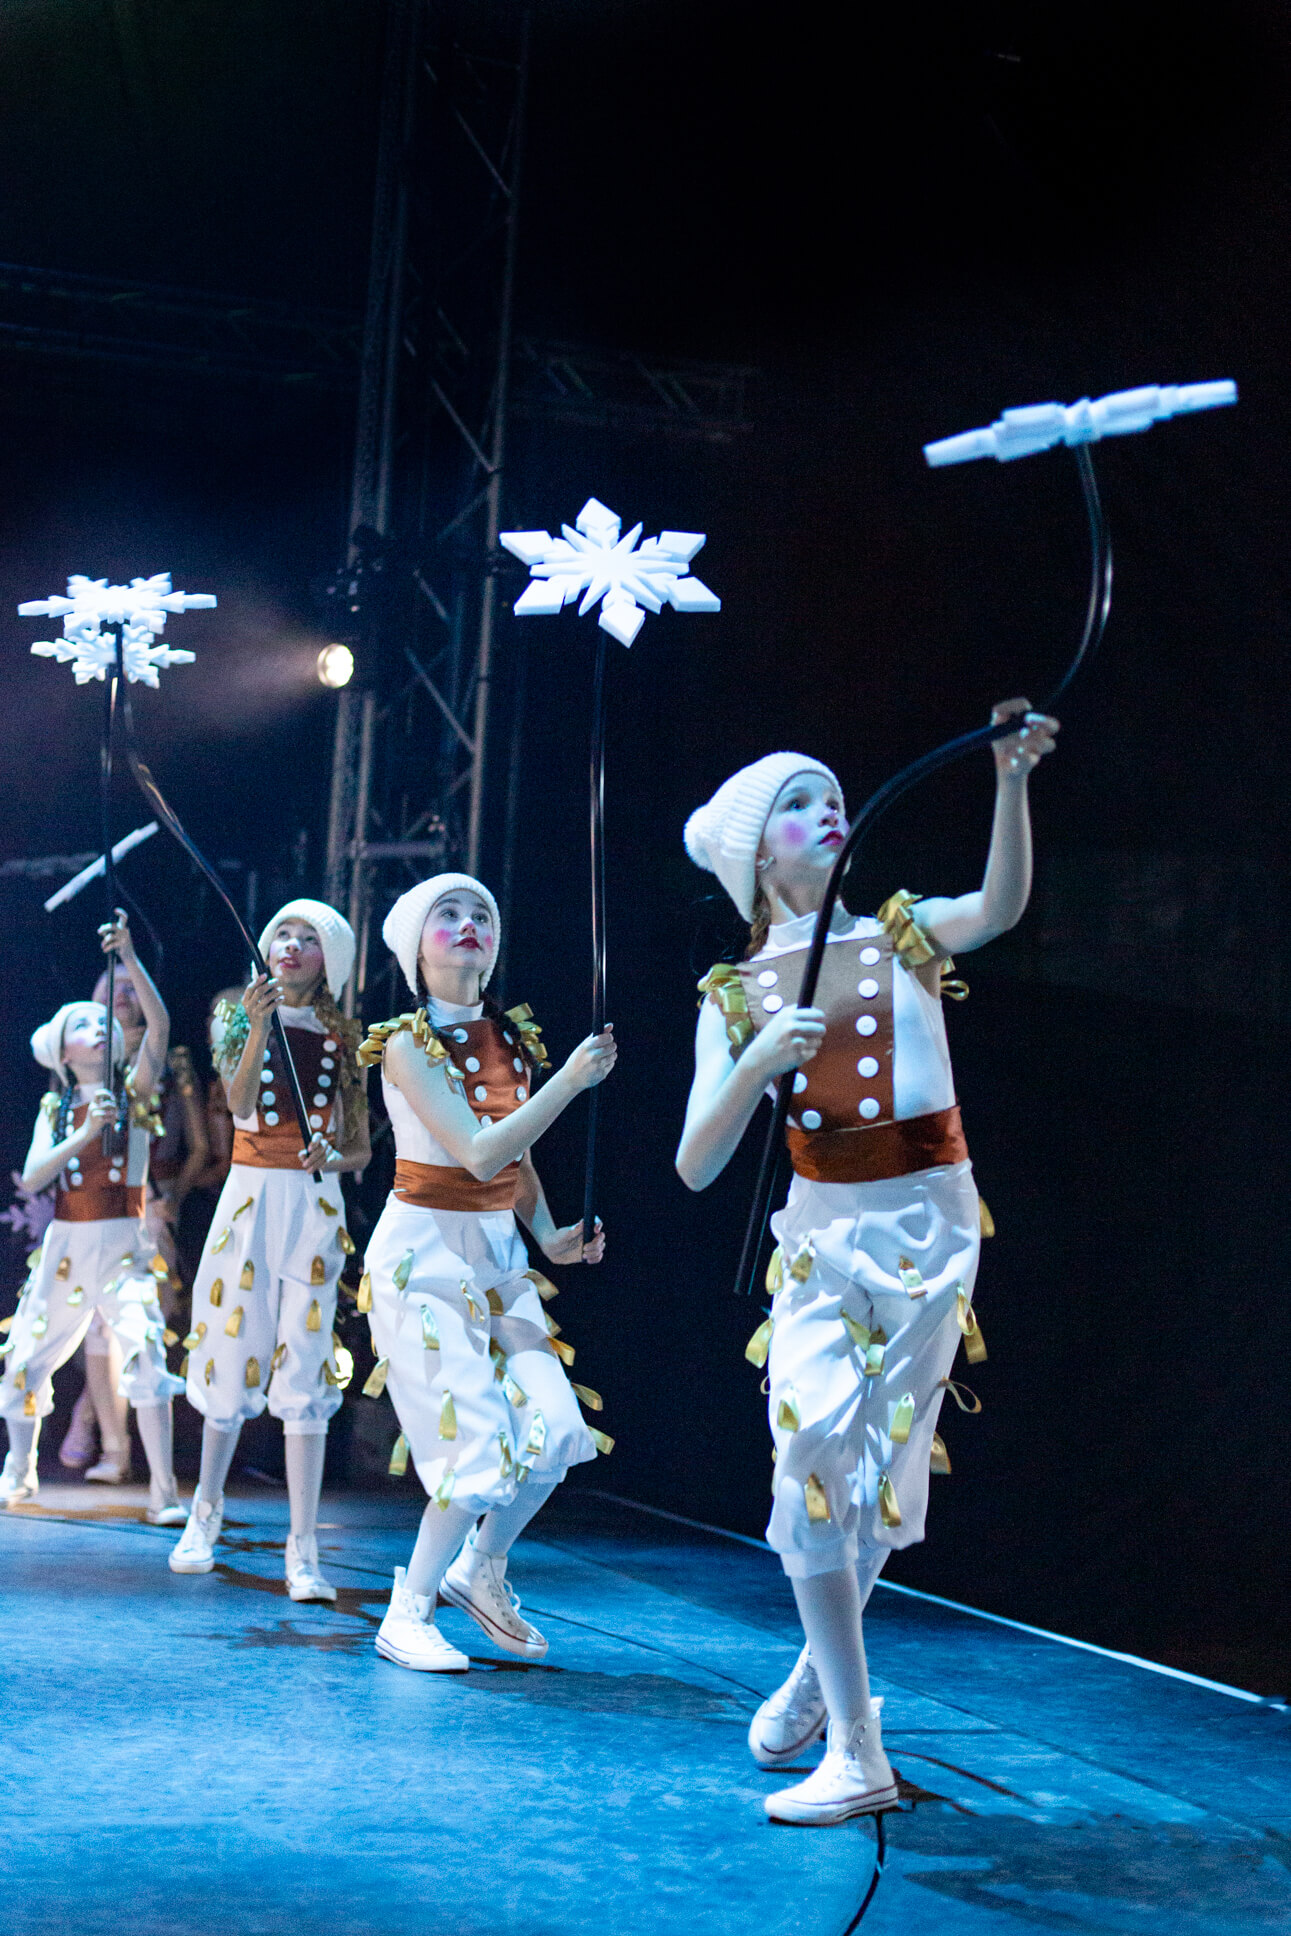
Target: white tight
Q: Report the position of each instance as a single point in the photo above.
(498, 1531)
(304, 1453)
(830, 1606)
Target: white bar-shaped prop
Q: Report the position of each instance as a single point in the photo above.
(1039, 426)
(71, 888)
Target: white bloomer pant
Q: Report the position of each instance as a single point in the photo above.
(264, 1301)
(84, 1268)
(481, 1398)
(836, 1459)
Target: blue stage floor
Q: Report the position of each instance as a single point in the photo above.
(202, 1758)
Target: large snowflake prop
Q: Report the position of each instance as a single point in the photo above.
(1039, 426)
(592, 559)
(139, 608)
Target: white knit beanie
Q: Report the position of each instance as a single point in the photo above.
(47, 1041)
(724, 835)
(402, 927)
(334, 933)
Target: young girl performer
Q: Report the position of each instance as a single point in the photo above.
(878, 1242)
(96, 1257)
(457, 1320)
(264, 1298)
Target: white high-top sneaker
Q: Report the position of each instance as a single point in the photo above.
(855, 1778)
(113, 1468)
(164, 1509)
(194, 1552)
(409, 1637)
(18, 1480)
(478, 1584)
(305, 1580)
(789, 1720)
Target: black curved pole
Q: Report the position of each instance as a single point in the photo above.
(110, 693)
(1096, 616)
(157, 800)
(597, 827)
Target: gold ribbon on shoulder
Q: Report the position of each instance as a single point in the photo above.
(914, 948)
(722, 985)
(521, 1018)
(371, 1050)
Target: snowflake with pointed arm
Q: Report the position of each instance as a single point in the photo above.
(139, 608)
(592, 560)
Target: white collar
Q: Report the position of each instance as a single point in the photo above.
(442, 1013)
(296, 1017)
(793, 934)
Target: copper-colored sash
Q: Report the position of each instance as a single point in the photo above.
(269, 1149)
(98, 1205)
(440, 1186)
(883, 1150)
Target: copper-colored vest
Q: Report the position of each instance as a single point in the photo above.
(96, 1198)
(492, 1089)
(841, 1124)
(276, 1146)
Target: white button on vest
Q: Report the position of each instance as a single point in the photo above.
(866, 1025)
(869, 956)
(473, 1064)
(799, 1083)
(811, 1119)
(869, 1107)
(486, 1122)
(521, 1091)
(266, 1074)
(320, 1102)
(317, 1121)
(507, 1036)
(329, 1045)
(73, 1162)
(328, 1062)
(518, 1066)
(481, 1093)
(869, 988)
(114, 1176)
(77, 1177)
(271, 1117)
(768, 978)
(867, 1066)
(268, 1098)
(771, 1003)
(459, 1035)
(324, 1082)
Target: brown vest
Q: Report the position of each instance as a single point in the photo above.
(97, 1196)
(841, 1123)
(276, 1145)
(494, 1088)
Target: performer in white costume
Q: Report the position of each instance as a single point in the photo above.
(264, 1298)
(471, 1360)
(96, 1258)
(872, 1279)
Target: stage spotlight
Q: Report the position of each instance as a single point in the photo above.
(336, 665)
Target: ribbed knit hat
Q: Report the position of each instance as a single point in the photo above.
(47, 1041)
(724, 835)
(334, 933)
(402, 928)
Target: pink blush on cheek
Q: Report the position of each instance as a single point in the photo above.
(442, 937)
(792, 833)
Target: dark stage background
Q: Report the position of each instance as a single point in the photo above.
(906, 222)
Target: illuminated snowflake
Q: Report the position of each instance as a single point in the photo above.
(139, 608)
(591, 559)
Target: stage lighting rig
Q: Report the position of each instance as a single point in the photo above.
(335, 666)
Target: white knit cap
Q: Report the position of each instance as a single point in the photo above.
(724, 835)
(402, 928)
(47, 1042)
(334, 933)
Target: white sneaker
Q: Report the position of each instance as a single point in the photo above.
(789, 1720)
(478, 1584)
(168, 1513)
(113, 1469)
(305, 1579)
(855, 1778)
(195, 1550)
(409, 1637)
(18, 1481)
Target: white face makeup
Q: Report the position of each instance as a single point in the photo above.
(805, 829)
(83, 1036)
(457, 945)
(296, 959)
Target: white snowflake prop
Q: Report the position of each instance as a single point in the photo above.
(590, 558)
(1039, 426)
(139, 608)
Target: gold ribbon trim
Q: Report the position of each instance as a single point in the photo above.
(234, 1326)
(911, 1277)
(593, 1400)
(398, 1458)
(960, 1393)
(974, 1343)
(986, 1221)
(314, 1317)
(403, 1271)
(788, 1417)
(914, 948)
(217, 1292)
(775, 1272)
(722, 986)
(902, 1420)
(889, 1510)
(363, 1302)
(817, 1500)
(521, 1018)
(543, 1285)
(939, 1458)
(377, 1379)
(447, 1417)
(429, 1329)
(759, 1344)
(601, 1440)
(371, 1051)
